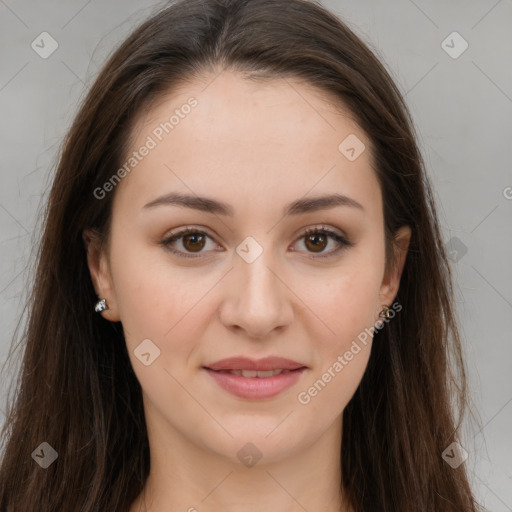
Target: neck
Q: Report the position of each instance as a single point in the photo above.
(185, 477)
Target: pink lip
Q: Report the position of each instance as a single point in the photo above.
(256, 388)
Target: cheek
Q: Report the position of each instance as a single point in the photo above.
(160, 302)
(348, 306)
(343, 355)
(163, 305)
(349, 300)
(341, 358)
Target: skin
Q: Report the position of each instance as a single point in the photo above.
(257, 146)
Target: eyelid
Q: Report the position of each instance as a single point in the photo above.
(332, 233)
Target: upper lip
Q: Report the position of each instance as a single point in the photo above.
(245, 363)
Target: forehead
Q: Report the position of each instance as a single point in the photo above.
(239, 139)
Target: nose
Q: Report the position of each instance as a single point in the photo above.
(256, 298)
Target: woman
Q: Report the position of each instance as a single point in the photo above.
(242, 299)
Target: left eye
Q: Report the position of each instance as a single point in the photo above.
(316, 240)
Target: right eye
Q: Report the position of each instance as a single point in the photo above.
(192, 240)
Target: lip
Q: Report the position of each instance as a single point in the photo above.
(245, 363)
(255, 388)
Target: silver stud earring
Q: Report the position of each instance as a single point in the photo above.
(101, 306)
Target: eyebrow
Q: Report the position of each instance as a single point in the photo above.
(297, 207)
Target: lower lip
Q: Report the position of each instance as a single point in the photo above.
(256, 388)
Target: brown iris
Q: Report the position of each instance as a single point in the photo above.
(319, 241)
(193, 242)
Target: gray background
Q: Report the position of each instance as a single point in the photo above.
(462, 109)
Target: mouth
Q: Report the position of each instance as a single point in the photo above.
(242, 363)
(260, 374)
(255, 379)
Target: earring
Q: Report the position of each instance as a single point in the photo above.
(101, 306)
(385, 312)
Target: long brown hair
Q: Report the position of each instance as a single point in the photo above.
(76, 388)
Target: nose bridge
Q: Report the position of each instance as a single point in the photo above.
(260, 289)
(260, 302)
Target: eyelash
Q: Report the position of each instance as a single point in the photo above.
(344, 243)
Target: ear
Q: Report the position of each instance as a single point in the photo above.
(392, 275)
(99, 268)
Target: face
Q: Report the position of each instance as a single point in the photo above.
(266, 268)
